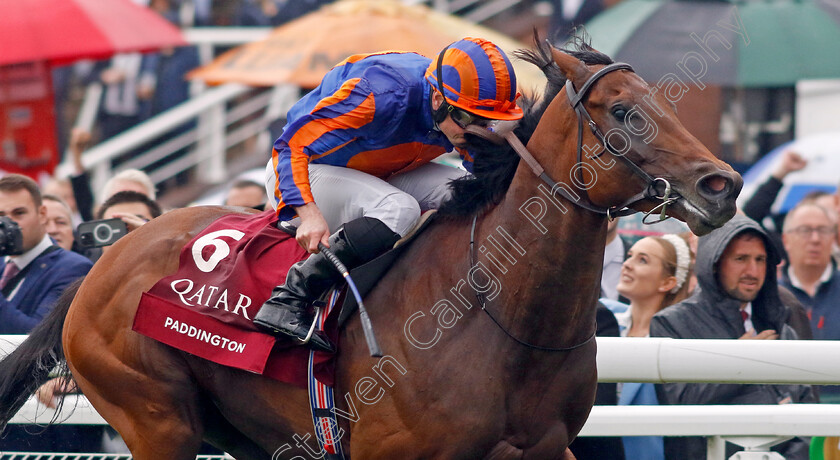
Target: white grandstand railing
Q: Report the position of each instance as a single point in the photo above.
(224, 117)
(481, 10)
(663, 360)
(660, 360)
(224, 120)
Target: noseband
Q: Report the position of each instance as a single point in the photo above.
(576, 101)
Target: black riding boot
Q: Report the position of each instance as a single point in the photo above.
(356, 243)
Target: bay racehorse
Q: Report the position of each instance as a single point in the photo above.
(486, 321)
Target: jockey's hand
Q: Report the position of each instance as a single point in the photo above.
(313, 228)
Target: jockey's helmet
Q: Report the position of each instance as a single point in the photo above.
(477, 77)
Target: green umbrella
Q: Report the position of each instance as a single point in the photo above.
(746, 43)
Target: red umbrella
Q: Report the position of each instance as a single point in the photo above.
(61, 31)
(38, 34)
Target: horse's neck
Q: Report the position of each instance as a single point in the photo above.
(549, 293)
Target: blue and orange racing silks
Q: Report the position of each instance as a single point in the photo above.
(370, 113)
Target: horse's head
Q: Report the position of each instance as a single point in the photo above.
(649, 159)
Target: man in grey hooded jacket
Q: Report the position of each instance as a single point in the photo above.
(737, 298)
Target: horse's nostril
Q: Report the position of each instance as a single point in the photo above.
(715, 184)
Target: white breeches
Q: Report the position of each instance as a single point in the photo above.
(344, 194)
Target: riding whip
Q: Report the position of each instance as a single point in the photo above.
(367, 326)
(370, 338)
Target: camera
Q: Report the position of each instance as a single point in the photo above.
(11, 238)
(98, 233)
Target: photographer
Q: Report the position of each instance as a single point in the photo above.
(35, 270)
(134, 208)
(121, 213)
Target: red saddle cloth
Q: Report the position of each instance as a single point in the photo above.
(206, 308)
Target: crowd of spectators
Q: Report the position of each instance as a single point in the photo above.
(52, 259)
(737, 299)
(761, 276)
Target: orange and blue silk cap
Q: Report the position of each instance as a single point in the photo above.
(479, 78)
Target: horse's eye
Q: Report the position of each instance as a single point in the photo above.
(619, 112)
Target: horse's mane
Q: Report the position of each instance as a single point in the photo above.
(495, 165)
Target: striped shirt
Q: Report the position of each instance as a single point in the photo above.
(370, 113)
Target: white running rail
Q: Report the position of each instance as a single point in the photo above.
(662, 360)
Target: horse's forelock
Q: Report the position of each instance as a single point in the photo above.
(579, 46)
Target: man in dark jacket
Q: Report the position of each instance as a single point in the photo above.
(33, 280)
(738, 299)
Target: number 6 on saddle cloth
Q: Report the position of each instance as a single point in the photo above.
(208, 297)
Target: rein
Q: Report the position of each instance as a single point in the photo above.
(575, 100)
(649, 192)
(483, 302)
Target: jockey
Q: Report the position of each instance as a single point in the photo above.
(360, 145)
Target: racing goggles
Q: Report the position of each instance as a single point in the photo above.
(462, 118)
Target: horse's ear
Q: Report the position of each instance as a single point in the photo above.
(572, 67)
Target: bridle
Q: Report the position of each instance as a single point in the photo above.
(576, 101)
(649, 192)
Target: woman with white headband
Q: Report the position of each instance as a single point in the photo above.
(655, 275)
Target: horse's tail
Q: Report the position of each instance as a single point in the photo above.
(29, 365)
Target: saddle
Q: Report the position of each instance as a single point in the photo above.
(225, 274)
(366, 276)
